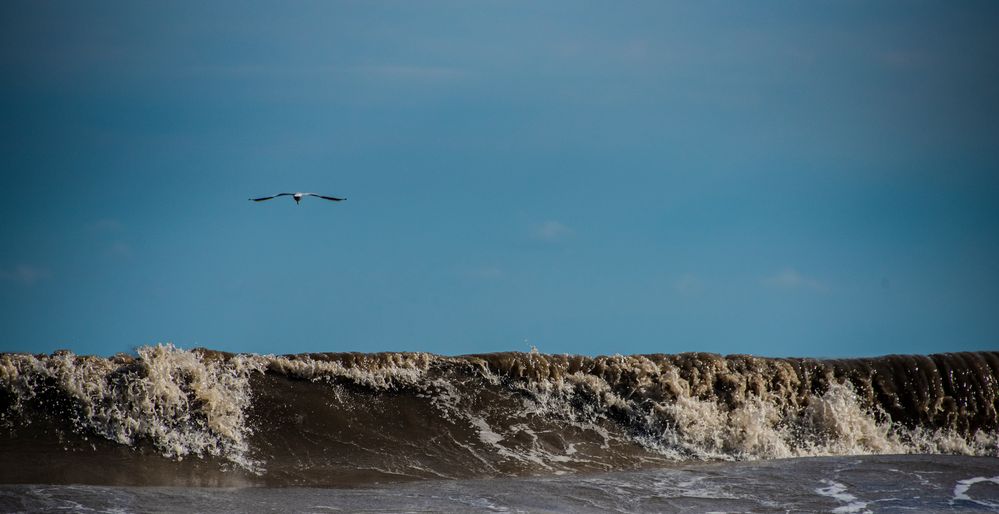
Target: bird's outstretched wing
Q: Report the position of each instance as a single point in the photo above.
(335, 199)
(262, 198)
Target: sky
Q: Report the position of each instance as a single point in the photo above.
(773, 178)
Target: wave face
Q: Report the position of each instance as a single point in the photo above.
(200, 417)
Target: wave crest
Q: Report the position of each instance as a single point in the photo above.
(411, 415)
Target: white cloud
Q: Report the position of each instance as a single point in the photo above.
(119, 249)
(408, 73)
(24, 274)
(105, 225)
(418, 73)
(484, 273)
(791, 279)
(905, 59)
(550, 230)
(688, 284)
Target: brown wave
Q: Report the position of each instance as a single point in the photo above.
(205, 417)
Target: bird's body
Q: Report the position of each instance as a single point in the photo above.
(298, 197)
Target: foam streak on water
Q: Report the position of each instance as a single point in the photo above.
(839, 492)
(963, 486)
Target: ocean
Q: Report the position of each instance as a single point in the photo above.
(174, 430)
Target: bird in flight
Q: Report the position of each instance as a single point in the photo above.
(298, 197)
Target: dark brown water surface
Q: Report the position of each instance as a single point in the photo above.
(173, 417)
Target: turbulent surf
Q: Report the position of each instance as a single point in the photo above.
(169, 416)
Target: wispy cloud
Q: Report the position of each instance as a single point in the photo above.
(688, 284)
(119, 249)
(24, 274)
(390, 72)
(550, 231)
(105, 225)
(483, 273)
(790, 278)
(902, 59)
(408, 72)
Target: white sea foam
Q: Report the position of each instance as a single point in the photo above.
(762, 421)
(180, 402)
(963, 486)
(375, 371)
(838, 492)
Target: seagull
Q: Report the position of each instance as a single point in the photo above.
(298, 197)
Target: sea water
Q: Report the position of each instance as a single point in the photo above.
(177, 430)
(909, 483)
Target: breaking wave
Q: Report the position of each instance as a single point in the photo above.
(355, 418)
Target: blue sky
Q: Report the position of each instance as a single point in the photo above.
(807, 179)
